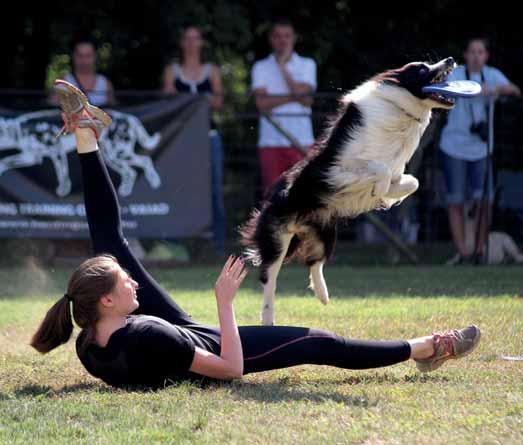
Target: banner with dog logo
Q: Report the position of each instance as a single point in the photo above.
(157, 153)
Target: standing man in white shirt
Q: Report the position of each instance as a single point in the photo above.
(464, 146)
(283, 84)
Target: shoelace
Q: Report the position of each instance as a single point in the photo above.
(446, 341)
(68, 124)
(71, 123)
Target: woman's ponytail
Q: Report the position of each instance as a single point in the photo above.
(56, 328)
(94, 278)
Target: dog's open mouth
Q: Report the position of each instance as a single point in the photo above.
(442, 75)
(448, 101)
(439, 78)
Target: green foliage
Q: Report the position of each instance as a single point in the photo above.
(349, 40)
(59, 66)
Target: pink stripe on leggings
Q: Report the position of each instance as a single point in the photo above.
(296, 340)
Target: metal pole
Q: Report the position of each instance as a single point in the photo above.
(485, 199)
(394, 239)
(490, 168)
(283, 132)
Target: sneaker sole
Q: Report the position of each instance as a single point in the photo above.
(432, 366)
(67, 91)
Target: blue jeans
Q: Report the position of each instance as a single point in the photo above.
(465, 179)
(218, 209)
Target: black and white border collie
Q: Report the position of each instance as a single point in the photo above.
(358, 166)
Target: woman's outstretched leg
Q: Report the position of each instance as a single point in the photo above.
(267, 347)
(101, 203)
(103, 216)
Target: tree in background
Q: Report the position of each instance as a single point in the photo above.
(350, 40)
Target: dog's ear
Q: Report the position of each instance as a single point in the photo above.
(390, 76)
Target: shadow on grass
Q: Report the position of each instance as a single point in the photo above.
(46, 391)
(287, 390)
(30, 391)
(276, 393)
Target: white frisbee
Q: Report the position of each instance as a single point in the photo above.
(455, 88)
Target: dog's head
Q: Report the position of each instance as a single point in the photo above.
(416, 75)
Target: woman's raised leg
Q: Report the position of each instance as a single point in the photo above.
(101, 204)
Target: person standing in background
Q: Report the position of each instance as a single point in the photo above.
(194, 76)
(283, 84)
(463, 147)
(97, 87)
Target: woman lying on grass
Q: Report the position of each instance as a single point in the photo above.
(134, 333)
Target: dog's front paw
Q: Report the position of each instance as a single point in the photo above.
(402, 188)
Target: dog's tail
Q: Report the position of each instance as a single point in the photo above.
(248, 238)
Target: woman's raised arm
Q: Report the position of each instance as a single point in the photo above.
(229, 364)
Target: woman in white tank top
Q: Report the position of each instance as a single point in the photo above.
(101, 92)
(195, 77)
(97, 87)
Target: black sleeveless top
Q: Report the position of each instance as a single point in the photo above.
(147, 351)
(201, 86)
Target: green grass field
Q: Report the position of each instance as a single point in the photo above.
(478, 400)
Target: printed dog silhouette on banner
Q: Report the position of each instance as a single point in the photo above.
(157, 153)
(33, 137)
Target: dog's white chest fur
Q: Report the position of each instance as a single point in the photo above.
(376, 153)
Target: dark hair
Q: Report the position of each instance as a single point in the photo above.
(183, 30)
(484, 40)
(81, 40)
(280, 21)
(94, 278)
(187, 26)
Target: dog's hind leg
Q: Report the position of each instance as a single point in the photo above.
(273, 252)
(61, 166)
(146, 164)
(318, 247)
(317, 282)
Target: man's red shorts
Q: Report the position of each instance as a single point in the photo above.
(275, 160)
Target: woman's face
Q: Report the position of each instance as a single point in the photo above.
(84, 57)
(124, 294)
(191, 40)
(476, 55)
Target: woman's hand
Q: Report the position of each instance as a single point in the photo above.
(488, 91)
(230, 279)
(229, 364)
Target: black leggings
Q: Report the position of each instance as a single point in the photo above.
(264, 347)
